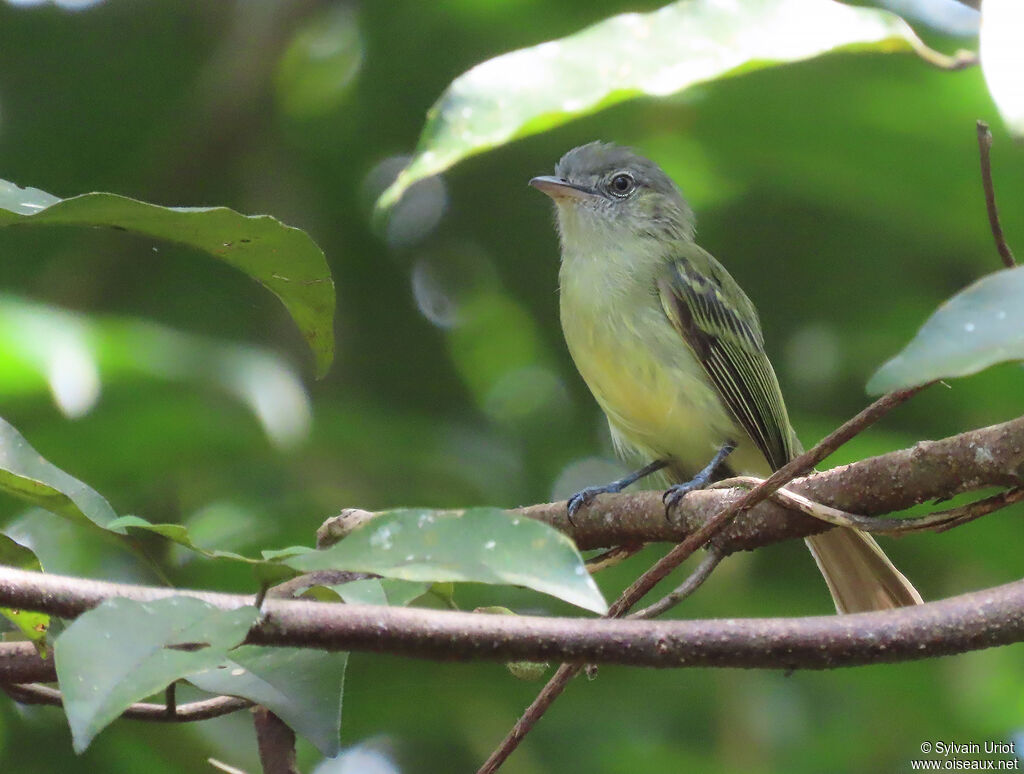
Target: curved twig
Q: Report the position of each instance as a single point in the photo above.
(685, 589)
(984, 148)
(938, 521)
(32, 693)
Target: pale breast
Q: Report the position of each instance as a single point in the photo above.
(658, 401)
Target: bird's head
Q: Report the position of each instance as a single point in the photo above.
(608, 192)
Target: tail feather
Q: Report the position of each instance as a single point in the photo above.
(858, 573)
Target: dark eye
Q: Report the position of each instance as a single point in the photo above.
(622, 184)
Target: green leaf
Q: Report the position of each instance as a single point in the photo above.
(301, 686)
(658, 53)
(281, 258)
(26, 475)
(1002, 59)
(176, 533)
(483, 545)
(381, 591)
(978, 327)
(32, 625)
(124, 651)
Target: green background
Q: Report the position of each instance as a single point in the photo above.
(842, 193)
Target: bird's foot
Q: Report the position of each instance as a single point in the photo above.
(584, 496)
(676, 492)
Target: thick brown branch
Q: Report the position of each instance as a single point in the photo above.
(929, 470)
(969, 622)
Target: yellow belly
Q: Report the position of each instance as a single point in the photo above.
(658, 400)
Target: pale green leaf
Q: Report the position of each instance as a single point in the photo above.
(482, 545)
(658, 53)
(381, 591)
(301, 686)
(978, 327)
(281, 258)
(176, 533)
(123, 651)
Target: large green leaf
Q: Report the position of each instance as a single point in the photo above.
(26, 475)
(978, 327)
(484, 545)
(303, 687)
(33, 625)
(658, 53)
(123, 651)
(281, 258)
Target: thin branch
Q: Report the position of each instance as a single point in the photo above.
(984, 147)
(31, 693)
(686, 588)
(295, 586)
(276, 742)
(566, 672)
(938, 521)
(551, 691)
(960, 59)
(968, 622)
(171, 701)
(612, 557)
(221, 766)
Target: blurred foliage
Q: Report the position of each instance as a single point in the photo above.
(842, 193)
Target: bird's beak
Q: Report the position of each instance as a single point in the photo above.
(557, 188)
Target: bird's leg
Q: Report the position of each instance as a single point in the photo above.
(676, 492)
(584, 496)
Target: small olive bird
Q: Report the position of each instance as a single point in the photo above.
(672, 350)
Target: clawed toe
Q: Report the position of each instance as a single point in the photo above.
(576, 502)
(673, 495)
(585, 496)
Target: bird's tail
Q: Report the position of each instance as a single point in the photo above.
(858, 573)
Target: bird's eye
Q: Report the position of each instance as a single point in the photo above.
(622, 184)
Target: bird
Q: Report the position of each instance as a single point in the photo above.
(672, 350)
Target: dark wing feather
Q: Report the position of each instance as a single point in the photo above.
(727, 340)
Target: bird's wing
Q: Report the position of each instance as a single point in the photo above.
(719, 323)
